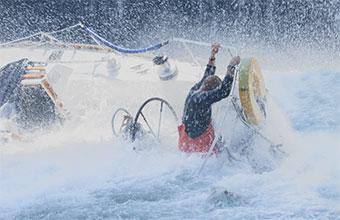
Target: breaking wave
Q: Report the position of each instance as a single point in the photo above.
(81, 171)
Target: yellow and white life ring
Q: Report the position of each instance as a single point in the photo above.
(252, 91)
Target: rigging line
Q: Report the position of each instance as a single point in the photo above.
(176, 39)
(67, 28)
(237, 109)
(232, 97)
(39, 33)
(192, 55)
(21, 39)
(211, 148)
(230, 156)
(125, 50)
(49, 37)
(95, 40)
(160, 120)
(147, 123)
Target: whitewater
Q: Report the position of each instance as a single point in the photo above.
(80, 171)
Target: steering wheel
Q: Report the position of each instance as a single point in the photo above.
(159, 118)
(119, 121)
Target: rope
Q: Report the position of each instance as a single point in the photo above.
(211, 148)
(160, 120)
(40, 34)
(122, 49)
(67, 28)
(21, 39)
(147, 123)
(182, 40)
(256, 131)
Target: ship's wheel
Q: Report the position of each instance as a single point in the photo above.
(120, 121)
(159, 120)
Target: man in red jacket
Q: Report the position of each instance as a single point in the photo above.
(196, 134)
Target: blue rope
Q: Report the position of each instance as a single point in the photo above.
(125, 50)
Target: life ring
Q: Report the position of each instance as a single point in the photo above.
(252, 91)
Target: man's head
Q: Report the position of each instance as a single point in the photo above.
(211, 82)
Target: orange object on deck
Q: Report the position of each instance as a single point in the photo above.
(41, 68)
(33, 76)
(51, 93)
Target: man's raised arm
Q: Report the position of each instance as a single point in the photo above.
(211, 68)
(215, 95)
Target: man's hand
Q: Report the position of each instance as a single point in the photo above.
(231, 67)
(214, 49)
(235, 61)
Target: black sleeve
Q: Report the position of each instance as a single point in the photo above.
(209, 71)
(215, 95)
